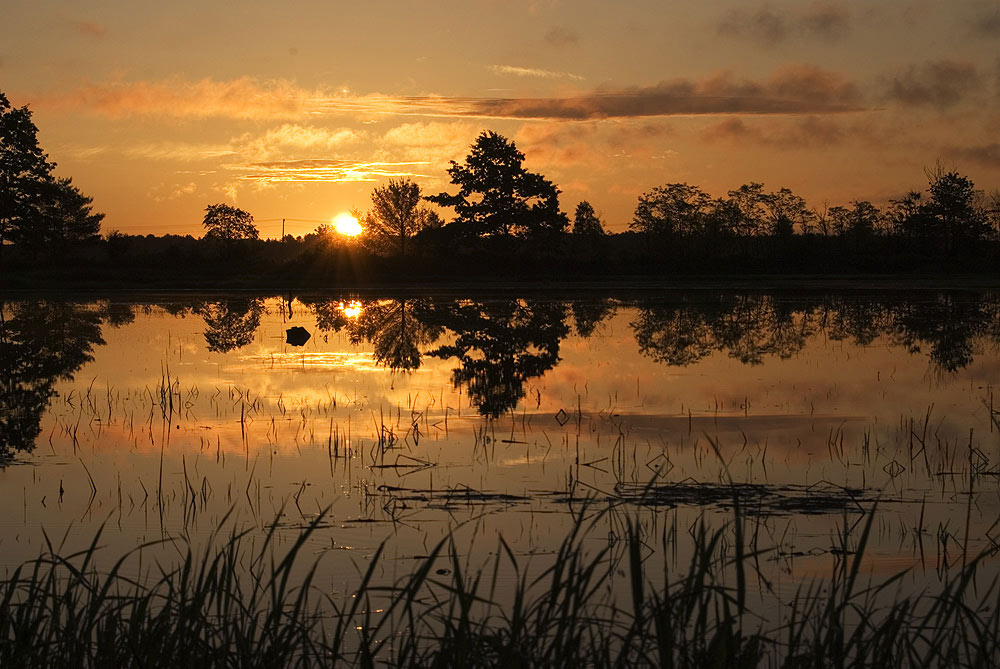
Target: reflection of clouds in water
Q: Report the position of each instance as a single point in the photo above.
(318, 360)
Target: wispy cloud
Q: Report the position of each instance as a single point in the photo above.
(242, 98)
(828, 21)
(533, 72)
(297, 138)
(89, 28)
(790, 90)
(986, 22)
(181, 151)
(321, 171)
(809, 132)
(164, 192)
(987, 154)
(941, 84)
(561, 38)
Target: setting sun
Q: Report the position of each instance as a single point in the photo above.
(347, 225)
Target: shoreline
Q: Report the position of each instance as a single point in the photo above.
(609, 285)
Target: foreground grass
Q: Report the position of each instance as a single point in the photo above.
(238, 604)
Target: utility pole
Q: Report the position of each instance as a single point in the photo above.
(282, 229)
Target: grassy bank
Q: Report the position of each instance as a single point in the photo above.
(247, 604)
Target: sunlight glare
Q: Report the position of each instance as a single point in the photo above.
(347, 225)
(351, 310)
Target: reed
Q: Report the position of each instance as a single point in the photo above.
(249, 602)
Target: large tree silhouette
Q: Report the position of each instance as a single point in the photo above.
(228, 223)
(497, 196)
(24, 168)
(37, 208)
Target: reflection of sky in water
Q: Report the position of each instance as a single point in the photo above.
(255, 429)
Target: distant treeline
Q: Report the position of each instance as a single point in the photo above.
(507, 224)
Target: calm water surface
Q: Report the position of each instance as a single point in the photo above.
(407, 420)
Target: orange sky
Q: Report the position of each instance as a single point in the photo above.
(299, 110)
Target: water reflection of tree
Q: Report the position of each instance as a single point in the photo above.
(396, 332)
(40, 344)
(499, 345)
(747, 327)
(395, 328)
(948, 326)
(750, 328)
(330, 316)
(588, 314)
(230, 324)
(676, 336)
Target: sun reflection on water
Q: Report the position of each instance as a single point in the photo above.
(352, 309)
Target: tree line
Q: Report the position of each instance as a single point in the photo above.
(502, 211)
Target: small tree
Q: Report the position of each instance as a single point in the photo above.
(396, 214)
(497, 196)
(228, 223)
(586, 221)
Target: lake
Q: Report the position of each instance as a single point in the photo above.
(408, 419)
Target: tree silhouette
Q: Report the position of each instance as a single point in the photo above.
(396, 215)
(750, 201)
(674, 209)
(230, 324)
(497, 196)
(786, 211)
(952, 205)
(40, 343)
(24, 169)
(228, 223)
(36, 208)
(63, 215)
(586, 220)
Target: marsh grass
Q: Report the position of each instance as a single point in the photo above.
(242, 602)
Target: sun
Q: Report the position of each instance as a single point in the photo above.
(347, 225)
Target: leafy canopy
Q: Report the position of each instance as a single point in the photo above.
(35, 207)
(228, 223)
(497, 196)
(586, 221)
(396, 215)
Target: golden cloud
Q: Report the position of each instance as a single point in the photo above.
(321, 171)
(790, 90)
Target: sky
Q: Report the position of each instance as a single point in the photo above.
(298, 110)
